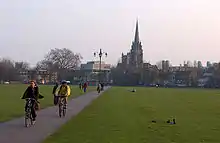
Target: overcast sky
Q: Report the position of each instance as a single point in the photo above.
(176, 30)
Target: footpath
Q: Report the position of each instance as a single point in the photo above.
(47, 123)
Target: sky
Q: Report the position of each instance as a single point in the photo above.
(175, 30)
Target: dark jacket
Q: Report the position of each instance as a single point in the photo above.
(55, 88)
(85, 85)
(32, 93)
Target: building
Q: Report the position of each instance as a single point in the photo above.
(41, 76)
(199, 64)
(94, 66)
(208, 64)
(90, 71)
(165, 65)
(134, 58)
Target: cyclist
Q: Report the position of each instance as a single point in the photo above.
(33, 93)
(64, 90)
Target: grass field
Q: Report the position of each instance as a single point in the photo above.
(11, 104)
(119, 116)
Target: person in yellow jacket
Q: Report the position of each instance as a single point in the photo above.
(63, 90)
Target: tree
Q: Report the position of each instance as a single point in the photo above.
(7, 70)
(64, 59)
(47, 65)
(22, 66)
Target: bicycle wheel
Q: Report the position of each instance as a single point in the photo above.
(60, 110)
(64, 112)
(27, 120)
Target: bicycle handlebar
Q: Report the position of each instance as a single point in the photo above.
(61, 96)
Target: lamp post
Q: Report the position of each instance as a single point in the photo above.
(100, 54)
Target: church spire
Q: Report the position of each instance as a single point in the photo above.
(136, 38)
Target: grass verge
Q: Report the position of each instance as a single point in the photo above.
(11, 106)
(120, 116)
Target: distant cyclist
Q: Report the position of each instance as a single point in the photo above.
(64, 91)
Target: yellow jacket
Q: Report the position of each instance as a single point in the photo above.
(63, 90)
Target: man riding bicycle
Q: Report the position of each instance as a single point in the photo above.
(64, 91)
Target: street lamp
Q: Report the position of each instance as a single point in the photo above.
(100, 54)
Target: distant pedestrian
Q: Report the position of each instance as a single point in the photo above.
(102, 86)
(85, 85)
(99, 87)
(55, 98)
(80, 85)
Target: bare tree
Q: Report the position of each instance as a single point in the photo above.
(7, 70)
(64, 58)
(46, 65)
(22, 66)
(61, 61)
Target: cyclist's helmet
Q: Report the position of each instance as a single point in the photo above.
(63, 82)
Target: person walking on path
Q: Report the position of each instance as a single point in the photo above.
(102, 86)
(99, 87)
(80, 85)
(55, 98)
(85, 85)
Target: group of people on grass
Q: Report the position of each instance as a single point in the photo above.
(32, 92)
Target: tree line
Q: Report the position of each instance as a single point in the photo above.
(57, 60)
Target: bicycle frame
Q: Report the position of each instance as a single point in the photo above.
(28, 115)
(62, 108)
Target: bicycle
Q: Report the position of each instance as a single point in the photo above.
(28, 119)
(62, 105)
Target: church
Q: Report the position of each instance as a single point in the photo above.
(134, 58)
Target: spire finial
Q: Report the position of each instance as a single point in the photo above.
(136, 38)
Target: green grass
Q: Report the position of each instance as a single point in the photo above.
(120, 116)
(11, 106)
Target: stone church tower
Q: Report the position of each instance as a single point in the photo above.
(136, 53)
(134, 58)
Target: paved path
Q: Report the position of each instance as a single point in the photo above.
(47, 123)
